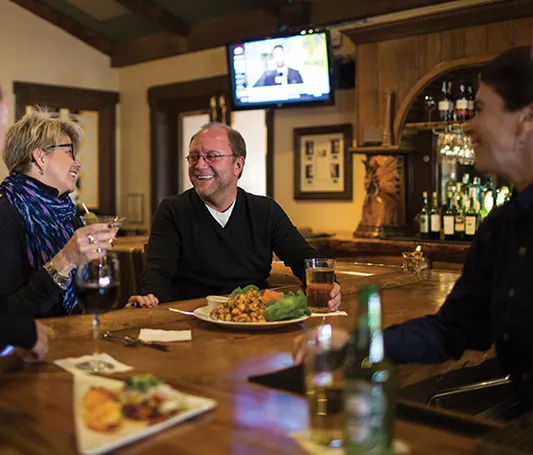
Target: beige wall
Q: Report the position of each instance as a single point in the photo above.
(34, 50)
(135, 112)
(42, 53)
(135, 136)
(321, 216)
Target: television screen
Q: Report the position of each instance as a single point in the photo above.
(282, 70)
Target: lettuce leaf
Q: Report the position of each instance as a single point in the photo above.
(239, 290)
(291, 306)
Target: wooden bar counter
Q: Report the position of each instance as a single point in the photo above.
(344, 245)
(36, 400)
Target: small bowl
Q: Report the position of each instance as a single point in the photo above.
(215, 300)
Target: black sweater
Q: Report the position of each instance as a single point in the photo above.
(23, 290)
(191, 255)
(17, 330)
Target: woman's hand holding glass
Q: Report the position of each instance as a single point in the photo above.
(88, 243)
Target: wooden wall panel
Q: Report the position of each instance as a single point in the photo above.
(522, 33)
(452, 44)
(367, 87)
(476, 40)
(407, 64)
(428, 52)
(500, 36)
(400, 63)
(387, 77)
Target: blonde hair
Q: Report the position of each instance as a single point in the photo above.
(36, 130)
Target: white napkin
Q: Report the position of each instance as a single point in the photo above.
(70, 363)
(332, 313)
(303, 438)
(165, 335)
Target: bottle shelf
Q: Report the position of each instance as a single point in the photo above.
(426, 241)
(380, 149)
(433, 125)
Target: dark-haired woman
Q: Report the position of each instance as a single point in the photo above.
(492, 301)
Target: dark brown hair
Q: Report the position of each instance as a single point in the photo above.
(511, 76)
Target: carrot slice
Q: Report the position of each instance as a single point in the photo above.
(269, 295)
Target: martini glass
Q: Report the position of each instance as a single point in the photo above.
(114, 221)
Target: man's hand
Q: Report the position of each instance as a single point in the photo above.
(335, 297)
(142, 301)
(40, 349)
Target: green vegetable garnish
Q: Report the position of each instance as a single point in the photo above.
(291, 306)
(239, 290)
(142, 383)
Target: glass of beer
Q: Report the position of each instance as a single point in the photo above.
(319, 276)
(325, 382)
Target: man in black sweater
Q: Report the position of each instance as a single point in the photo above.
(216, 236)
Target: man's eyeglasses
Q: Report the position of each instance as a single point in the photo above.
(209, 157)
(70, 151)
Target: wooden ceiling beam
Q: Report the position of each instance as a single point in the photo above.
(147, 48)
(330, 12)
(70, 25)
(448, 20)
(256, 24)
(206, 35)
(162, 17)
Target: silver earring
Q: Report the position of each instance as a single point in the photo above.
(520, 145)
(41, 171)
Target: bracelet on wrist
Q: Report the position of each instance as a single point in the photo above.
(59, 279)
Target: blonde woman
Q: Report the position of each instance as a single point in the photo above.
(41, 240)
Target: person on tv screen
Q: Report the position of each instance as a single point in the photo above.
(282, 74)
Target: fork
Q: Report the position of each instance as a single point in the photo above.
(131, 342)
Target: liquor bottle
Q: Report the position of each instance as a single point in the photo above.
(461, 105)
(470, 221)
(464, 191)
(471, 103)
(489, 197)
(476, 191)
(459, 218)
(444, 104)
(434, 219)
(448, 218)
(451, 103)
(424, 217)
(451, 184)
(370, 385)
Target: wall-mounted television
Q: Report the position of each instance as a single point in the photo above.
(280, 71)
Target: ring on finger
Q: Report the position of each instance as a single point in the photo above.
(91, 238)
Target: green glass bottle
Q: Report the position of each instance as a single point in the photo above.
(424, 217)
(471, 220)
(370, 384)
(448, 218)
(435, 219)
(459, 218)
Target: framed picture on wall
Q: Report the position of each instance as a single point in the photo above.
(322, 163)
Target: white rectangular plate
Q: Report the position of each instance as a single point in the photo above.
(93, 442)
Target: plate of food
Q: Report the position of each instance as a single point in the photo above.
(249, 308)
(110, 413)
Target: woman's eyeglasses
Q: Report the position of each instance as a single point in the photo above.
(70, 151)
(209, 157)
